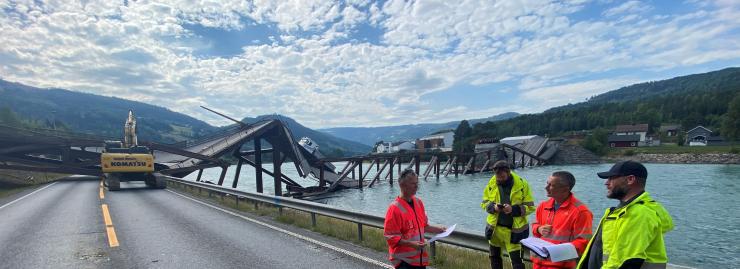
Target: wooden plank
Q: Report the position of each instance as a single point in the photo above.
(429, 168)
(377, 176)
(447, 171)
(368, 169)
(467, 166)
(335, 184)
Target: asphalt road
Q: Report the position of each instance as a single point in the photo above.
(62, 225)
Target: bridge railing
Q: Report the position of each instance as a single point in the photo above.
(460, 238)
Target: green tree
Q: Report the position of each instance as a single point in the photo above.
(731, 120)
(463, 132)
(8, 117)
(596, 142)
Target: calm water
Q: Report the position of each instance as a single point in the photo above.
(706, 233)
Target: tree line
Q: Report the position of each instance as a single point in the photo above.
(712, 101)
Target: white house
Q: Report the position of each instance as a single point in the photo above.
(392, 147)
(440, 140)
(402, 146)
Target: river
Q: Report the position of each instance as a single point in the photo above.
(706, 229)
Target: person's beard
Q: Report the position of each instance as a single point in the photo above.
(617, 193)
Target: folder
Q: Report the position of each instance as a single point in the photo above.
(555, 252)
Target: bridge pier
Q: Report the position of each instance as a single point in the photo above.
(277, 174)
(238, 171)
(258, 163)
(200, 173)
(223, 175)
(359, 169)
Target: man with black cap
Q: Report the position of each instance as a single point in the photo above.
(631, 234)
(508, 200)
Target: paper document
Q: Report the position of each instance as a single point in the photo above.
(556, 252)
(443, 234)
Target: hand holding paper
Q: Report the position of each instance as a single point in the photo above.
(443, 234)
(556, 252)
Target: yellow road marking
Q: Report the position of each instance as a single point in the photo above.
(102, 195)
(106, 216)
(112, 238)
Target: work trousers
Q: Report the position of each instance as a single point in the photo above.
(497, 262)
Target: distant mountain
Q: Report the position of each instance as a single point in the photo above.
(99, 115)
(105, 116)
(370, 135)
(329, 145)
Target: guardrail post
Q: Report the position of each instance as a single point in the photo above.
(433, 249)
(256, 206)
(280, 210)
(359, 231)
(236, 197)
(313, 219)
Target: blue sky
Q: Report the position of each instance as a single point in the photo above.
(362, 63)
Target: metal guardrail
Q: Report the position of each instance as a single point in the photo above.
(460, 238)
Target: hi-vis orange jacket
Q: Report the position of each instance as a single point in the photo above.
(407, 223)
(571, 223)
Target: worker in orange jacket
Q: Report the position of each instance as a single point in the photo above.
(405, 225)
(561, 219)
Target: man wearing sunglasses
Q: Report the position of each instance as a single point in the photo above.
(631, 234)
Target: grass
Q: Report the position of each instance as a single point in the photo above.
(8, 190)
(12, 181)
(672, 149)
(447, 256)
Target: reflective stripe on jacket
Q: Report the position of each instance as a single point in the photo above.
(407, 223)
(521, 196)
(634, 231)
(571, 223)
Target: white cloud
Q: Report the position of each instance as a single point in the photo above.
(573, 92)
(630, 7)
(313, 72)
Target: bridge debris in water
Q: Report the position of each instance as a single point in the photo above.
(54, 151)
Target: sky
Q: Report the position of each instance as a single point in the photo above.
(362, 63)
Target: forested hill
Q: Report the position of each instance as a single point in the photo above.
(700, 99)
(95, 114)
(105, 116)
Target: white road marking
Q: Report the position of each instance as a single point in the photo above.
(24, 196)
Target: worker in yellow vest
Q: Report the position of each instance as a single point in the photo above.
(508, 200)
(631, 234)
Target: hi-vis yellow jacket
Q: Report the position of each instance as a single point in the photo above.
(521, 197)
(633, 231)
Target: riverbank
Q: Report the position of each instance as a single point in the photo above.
(574, 154)
(678, 158)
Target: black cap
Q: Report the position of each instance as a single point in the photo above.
(625, 168)
(501, 165)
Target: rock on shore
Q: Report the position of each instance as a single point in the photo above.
(692, 158)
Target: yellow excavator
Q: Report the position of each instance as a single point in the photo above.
(128, 161)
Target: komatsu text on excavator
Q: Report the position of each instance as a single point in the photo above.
(127, 161)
